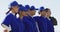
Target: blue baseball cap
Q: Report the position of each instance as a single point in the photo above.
(22, 8)
(33, 8)
(42, 9)
(20, 5)
(27, 7)
(14, 3)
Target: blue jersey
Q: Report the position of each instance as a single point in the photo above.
(36, 18)
(44, 24)
(12, 21)
(21, 25)
(30, 25)
(50, 27)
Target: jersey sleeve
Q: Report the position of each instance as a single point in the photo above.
(7, 21)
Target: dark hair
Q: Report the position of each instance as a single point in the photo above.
(47, 9)
(16, 14)
(9, 10)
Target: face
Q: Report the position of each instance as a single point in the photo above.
(48, 13)
(15, 8)
(43, 13)
(32, 12)
(24, 13)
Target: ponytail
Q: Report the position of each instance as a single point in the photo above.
(9, 10)
(15, 14)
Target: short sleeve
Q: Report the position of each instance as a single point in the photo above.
(7, 21)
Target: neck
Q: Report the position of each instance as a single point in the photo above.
(21, 16)
(42, 15)
(12, 11)
(29, 14)
(48, 18)
(25, 15)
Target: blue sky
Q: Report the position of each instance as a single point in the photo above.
(52, 4)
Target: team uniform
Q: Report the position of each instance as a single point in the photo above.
(10, 22)
(21, 25)
(44, 24)
(30, 25)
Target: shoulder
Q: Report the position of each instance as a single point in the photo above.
(18, 19)
(25, 17)
(52, 18)
(36, 17)
(10, 15)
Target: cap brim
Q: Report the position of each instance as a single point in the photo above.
(36, 9)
